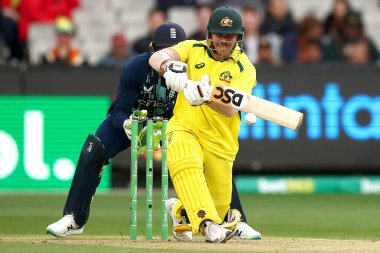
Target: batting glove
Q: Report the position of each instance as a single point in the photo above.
(175, 75)
(198, 93)
(127, 125)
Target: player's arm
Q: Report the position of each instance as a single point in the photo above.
(159, 59)
(199, 93)
(167, 63)
(229, 112)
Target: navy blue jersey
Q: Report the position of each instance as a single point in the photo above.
(141, 88)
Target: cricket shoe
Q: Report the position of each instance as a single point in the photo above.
(213, 232)
(243, 231)
(181, 229)
(64, 227)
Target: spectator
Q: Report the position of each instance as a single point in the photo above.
(279, 26)
(42, 11)
(119, 52)
(313, 46)
(265, 53)
(358, 52)
(64, 52)
(354, 31)
(312, 52)
(156, 18)
(252, 22)
(167, 4)
(259, 5)
(9, 24)
(334, 22)
(203, 14)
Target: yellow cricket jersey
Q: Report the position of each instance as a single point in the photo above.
(216, 132)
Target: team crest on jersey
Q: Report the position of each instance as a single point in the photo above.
(226, 22)
(199, 65)
(225, 76)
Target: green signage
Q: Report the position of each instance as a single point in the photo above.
(41, 138)
(308, 184)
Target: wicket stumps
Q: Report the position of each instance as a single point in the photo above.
(137, 124)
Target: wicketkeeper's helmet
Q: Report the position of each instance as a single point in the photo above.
(167, 35)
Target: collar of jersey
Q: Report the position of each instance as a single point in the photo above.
(233, 56)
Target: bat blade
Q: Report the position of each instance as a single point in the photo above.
(262, 108)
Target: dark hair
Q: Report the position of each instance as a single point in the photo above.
(353, 19)
(204, 5)
(250, 8)
(158, 10)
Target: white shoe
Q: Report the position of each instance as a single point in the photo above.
(179, 228)
(64, 227)
(216, 233)
(244, 231)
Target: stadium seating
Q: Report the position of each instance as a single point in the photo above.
(41, 39)
(97, 20)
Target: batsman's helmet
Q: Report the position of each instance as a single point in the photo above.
(225, 20)
(167, 35)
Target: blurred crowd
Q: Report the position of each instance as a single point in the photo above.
(272, 36)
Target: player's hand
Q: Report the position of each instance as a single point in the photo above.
(175, 75)
(198, 93)
(127, 125)
(157, 135)
(233, 218)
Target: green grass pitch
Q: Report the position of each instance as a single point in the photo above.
(342, 217)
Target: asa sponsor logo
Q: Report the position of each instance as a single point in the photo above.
(225, 76)
(200, 65)
(229, 96)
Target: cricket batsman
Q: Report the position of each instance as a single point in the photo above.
(141, 92)
(202, 137)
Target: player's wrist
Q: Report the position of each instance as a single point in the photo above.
(164, 64)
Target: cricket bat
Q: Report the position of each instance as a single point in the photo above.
(262, 108)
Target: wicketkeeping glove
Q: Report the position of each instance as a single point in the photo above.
(233, 218)
(198, 93)
(175, 75)
(157, 135)
(127, 125)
